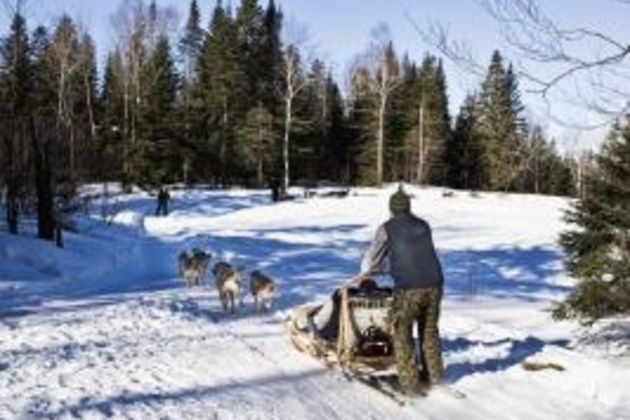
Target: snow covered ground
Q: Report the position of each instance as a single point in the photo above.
(104, 328)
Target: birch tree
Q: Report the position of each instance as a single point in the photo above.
(386, 81)
(294, 82)
(376, 74)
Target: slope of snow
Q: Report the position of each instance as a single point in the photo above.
(104, 328)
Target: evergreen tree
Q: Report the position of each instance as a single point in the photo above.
(335, 163)
(310, 124)
(463, 152)
(270, 58)
(190, 46)
(501, 126)
(258, 139)
(433, 122)
(221, 93)
(111, 117)
(397, 121)
(44, 132)
(561, 178)
(407, 99)
(86, 108)
(363, 124)
(159, 157)
(190, 49)
(249, 24)
(16, 87)
(599, 249)
(442, 124)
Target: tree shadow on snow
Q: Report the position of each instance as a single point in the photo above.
(306, 270)
(268, 386)
(521, 273)
(519, 351)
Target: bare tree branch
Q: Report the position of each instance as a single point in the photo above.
(538, 40)
(458, 51)
(530, 31)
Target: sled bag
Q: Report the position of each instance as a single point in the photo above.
(374, 342)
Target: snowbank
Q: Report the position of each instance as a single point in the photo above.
(104, 328)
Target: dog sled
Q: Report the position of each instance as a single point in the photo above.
(362, 348)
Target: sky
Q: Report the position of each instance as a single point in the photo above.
(340, 29)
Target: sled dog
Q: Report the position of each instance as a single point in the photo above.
(192, 267)
(262, 289)
(228, 281)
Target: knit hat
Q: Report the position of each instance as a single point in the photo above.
(399, 202)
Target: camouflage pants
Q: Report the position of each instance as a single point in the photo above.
(423, 306)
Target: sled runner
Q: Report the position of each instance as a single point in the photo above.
(362, 348)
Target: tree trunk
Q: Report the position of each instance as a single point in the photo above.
(72, 154)
(421, 146)
(537, 177)
(12, 189)
(260, 156)
(185, 171)
(260, 172)
(380, 140)
(285, 149)
(13, 212)
(46, 221)
(126, 174)
(90, 107)
(223, 149)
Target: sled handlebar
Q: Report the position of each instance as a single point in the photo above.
(357, 279)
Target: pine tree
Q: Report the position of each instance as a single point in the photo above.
(190, 49)
(16, 86)
(399, 122)
(44, 141)
(463, 152)
(249, 24)
(335, 163)
(86, 108)
(407, 99)
(221, 91)
(438, 170)
(258, 139)
(310, 124)
(363, 124)
(599, 249)
(159, 157)
(433, 122)
(501, 126)
(270, 59)
(111, 117)
(191, 44)
(561, 177)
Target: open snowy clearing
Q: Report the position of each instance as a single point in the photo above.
(104, 328)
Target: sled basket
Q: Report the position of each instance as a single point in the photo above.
(360, 312)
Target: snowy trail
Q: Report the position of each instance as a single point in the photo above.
(135, 344)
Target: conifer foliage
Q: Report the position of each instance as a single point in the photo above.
(227, 100)
(598, 247)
